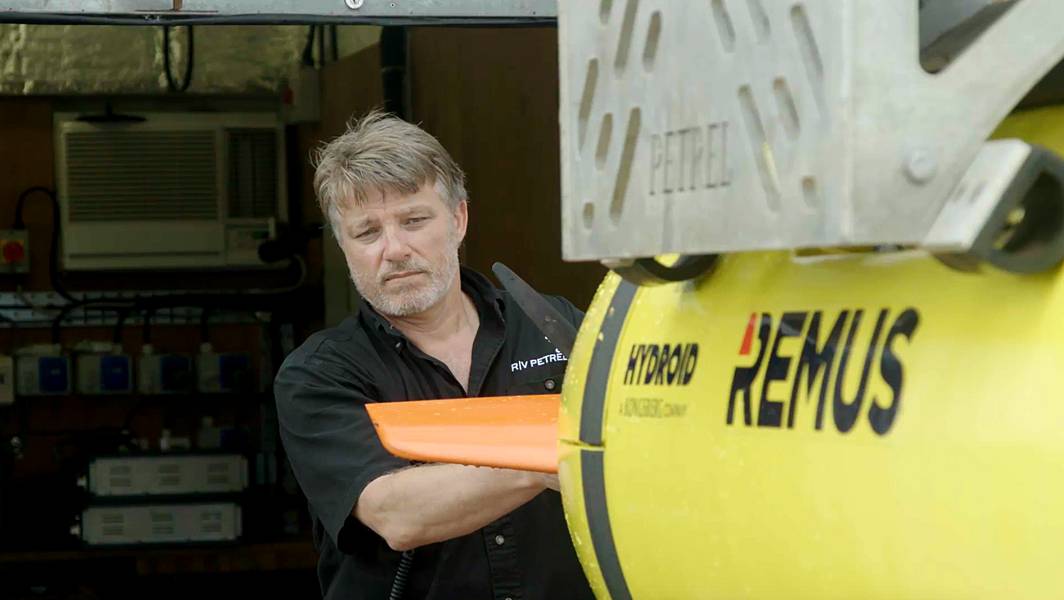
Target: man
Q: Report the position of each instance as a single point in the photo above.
(428, 328)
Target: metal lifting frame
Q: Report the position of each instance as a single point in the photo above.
(737, 125)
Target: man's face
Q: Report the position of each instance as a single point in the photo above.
(402, 251)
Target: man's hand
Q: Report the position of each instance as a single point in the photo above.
(432, 503)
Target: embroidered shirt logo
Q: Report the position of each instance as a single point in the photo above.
(546, 359)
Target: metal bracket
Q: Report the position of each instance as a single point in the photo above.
(649, 271)
(1007, 211)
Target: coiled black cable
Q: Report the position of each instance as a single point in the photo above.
(53, 248)
(402, 574)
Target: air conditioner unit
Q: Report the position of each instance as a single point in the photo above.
(174, 190)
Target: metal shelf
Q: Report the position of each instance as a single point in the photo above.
(38, 309)
(296, 554)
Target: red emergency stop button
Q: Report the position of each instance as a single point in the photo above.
(13, 252)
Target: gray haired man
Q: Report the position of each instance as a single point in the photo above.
(429, 328)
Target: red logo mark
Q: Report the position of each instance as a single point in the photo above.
(748, 337)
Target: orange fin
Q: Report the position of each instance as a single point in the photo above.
(512, 432)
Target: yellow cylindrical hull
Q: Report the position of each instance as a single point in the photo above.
(851, 426)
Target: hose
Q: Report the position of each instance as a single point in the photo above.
(406, 562)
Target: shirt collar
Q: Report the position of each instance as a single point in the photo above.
(485, 297)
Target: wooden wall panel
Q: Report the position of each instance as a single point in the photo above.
(350, 88)
(26, 160)
(491, 97)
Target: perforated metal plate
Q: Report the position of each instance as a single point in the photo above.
(732, 125)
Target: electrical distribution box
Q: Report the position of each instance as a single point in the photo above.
(159, 524)
(104, 374)
(167, 474)
(164, 373)
(223, 372)
(42, 371)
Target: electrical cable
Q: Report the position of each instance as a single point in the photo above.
(316, 36)
(21, 203)
(308, 47)
(145, 335)
(53, 253)
(57, 322)
(53, 250)
(402, 574)
(120, 322)
(321, 46)
(186, 80)
(205, 317)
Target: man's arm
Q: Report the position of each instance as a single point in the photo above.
(432, 503)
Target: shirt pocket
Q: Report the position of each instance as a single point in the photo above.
(548, 382)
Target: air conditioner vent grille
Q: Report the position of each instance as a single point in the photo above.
(117, 175)
(252, 172)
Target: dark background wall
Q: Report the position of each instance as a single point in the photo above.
(489, 95)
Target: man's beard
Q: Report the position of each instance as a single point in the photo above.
(403, 303)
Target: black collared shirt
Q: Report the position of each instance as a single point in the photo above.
(321, 389)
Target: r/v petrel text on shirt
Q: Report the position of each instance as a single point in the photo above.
(546, 359)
